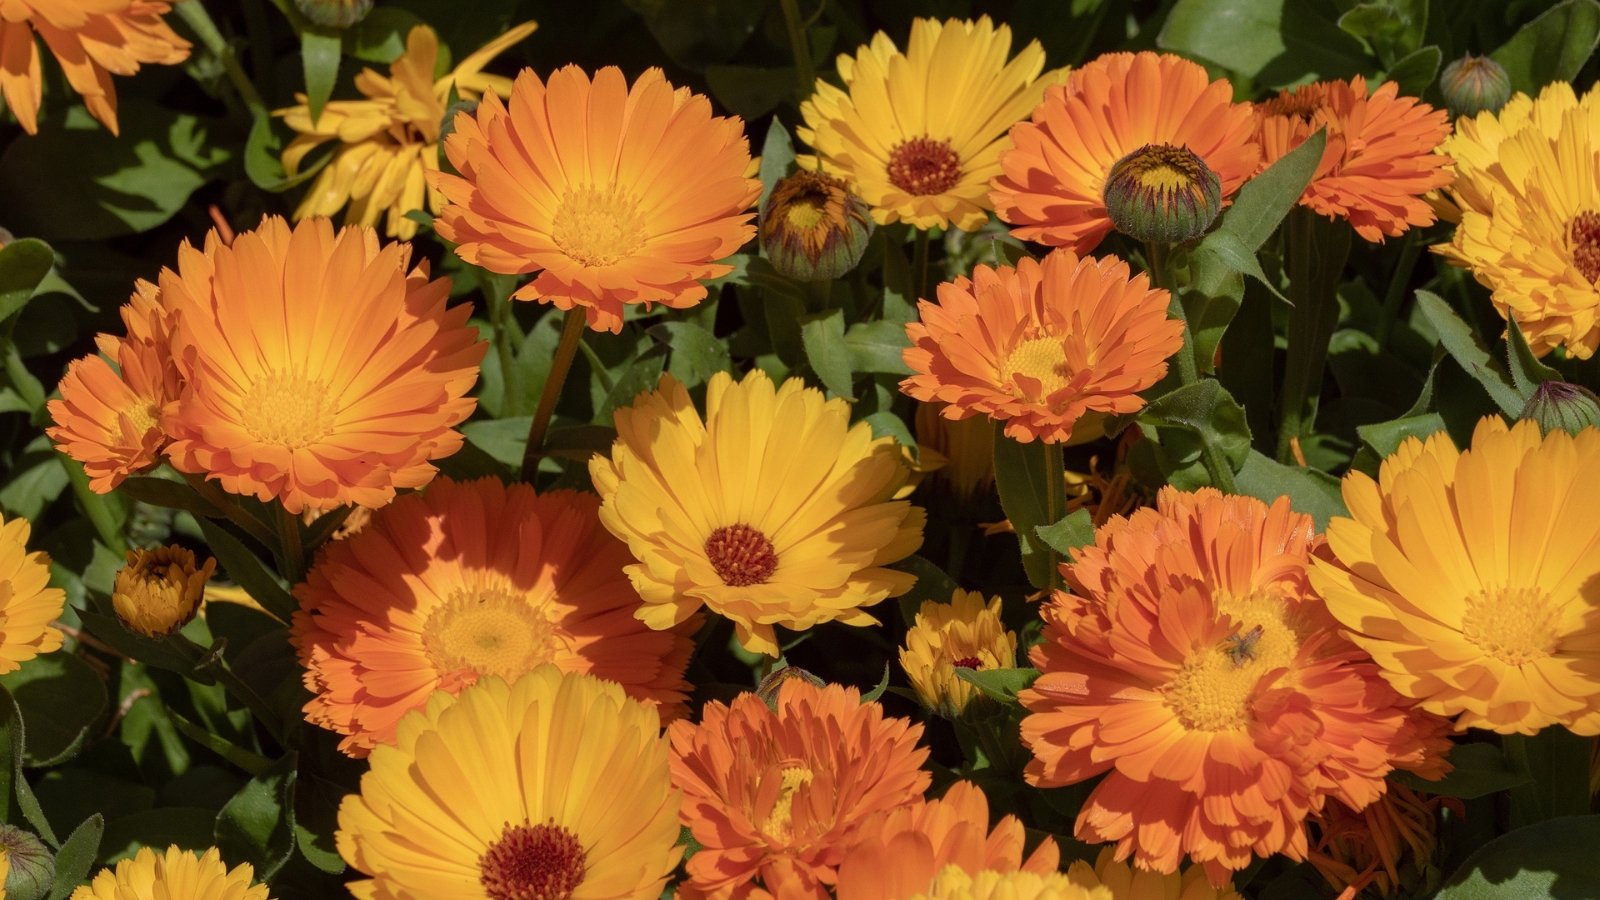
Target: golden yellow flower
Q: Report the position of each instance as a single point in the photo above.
(955, 884)
(1128, 882)
(151, 875)
(390, 140)
(772, 510)
(919, 133)
(960, 452)
(28, 605)
(1473, 576)
(157, 591)
(1474, 146)
(554, 786)
(965, 633)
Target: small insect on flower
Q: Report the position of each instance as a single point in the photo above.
(1242, 648)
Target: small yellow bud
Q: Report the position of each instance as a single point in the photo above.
(965, 633)
(158, 591)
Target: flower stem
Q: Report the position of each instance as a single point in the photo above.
(919, 264)
(1410, 250)
(571, 336)
(199, 21)
(805, 73)
(1217, 466)
(1318, 248)
(292, 546)
(211, 661)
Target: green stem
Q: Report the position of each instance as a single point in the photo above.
(212, 662)
(804, 71)
(1318, 248)
(234, 513)
(1558, 762)
(291, 546)
(1217, 466)
(1055, 500)
(199, 21)
(919, 263)
(571, 337)
(511, 387)
(1410, 251)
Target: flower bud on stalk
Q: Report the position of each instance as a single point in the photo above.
(813, 228)
(31, 869)
(1474, 84)
(1559, 406)
(1163, 193)
(158, 591)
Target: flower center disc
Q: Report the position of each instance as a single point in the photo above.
(1214, 689)
(143, 417)
(490, 632)
(288, 409)
(924, 166)
(533, 862)
(1584, 234)
(598, 227)
(1514, 625)
(1043, 359)
(741, 555)
(777, 823)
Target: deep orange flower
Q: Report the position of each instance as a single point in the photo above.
(779, 795)
(467, 580)
(614, 196)
(109, 418)
(1387, 845)
(92, 40)
(1042, 345)
(903, 850)
(1194, 665)
(319, 369)
(1052, 185)
(1379, 160)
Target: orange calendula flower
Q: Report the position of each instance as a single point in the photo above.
(1193, 665)
(615, 196)
(1379, 161)
(1386, 846)
(1043, 346)
(1470, 576)
(109, 417)
(902, 851)
(778, 795)
(92, 40)
(1052, 184)
(467, 580)
(389, 141)
(28, 604)
(319, 369)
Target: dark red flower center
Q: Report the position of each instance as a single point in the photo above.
(741, 555)
(969, 662)
(532, 862)
(923, 166)
(1584, 233)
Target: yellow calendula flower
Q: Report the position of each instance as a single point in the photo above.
(955, 883)
(158, 591)
(959, 452)
(1474, 146)
(151, 875)
(389, 140)
(1126, 881)
(1471, 576)
(965, 633)
(28, 605)
(919, 132)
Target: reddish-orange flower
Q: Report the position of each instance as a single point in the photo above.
(1052, 185)
(92, 40)
(777, 796)
(903, 850)
(1043, 345)
(319, 369)
(1387, 845)
(468, 580)
(1195, 666)
(109, 418)
(615, 196)
(1379, 160)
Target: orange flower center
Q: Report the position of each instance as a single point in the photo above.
(598, 226)
(741, 555)
(487, 631)
(533, 862)
(924, 166)
(1584, 234)
(1044, 359)
(777, 822)
(143, 417)
(289, 409)
(1516, 626)
(1161, 168)
(1214, 689)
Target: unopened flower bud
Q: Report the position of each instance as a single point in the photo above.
(334, 13)
(965, 633)
(813, 228)
(1163, 193)
(158, 591)
(32, 868)
(768, 689)
(1560, 406)
(1474, 84)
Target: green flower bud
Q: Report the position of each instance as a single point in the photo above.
(1559, 406)
(1474, 84)
(1163, 193)
(813, 228)
(33, 868)
(768, 689)
(334, 13)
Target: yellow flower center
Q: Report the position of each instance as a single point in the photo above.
(805, 215)
(288, 409)
(143, 416)
(1584, 235)
(490, 631)
(533, 862)
(1043, 359)
(924, 166)
(777, 822)
(1214, 689)
(1514, 625)
(598, 226)
(741, 555)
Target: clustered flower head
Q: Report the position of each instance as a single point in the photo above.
(158, 591)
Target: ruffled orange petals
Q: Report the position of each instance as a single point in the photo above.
(1043, 345)
(1051, 188)
(1379, 161)
(777, 797)
(615, 196)
(319, 370)
(1193, 665)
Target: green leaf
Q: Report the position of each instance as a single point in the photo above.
(1384, 438)
(61, 699)
(168, 493)
(320, 49)
(823, 337)
(1206, 410)
(696, 352)
(1415, 71)
(1527, 372)
(1266, 199)
(1074, 530)
(999, 684)
(23, 264)
(1231, 251)
(316, 819)
(883, 685)
(158, 653)
(246, 570)
(878, 347)
(1554, 859)
(1553, 47)
(77, 855)
(1393, 28)
(191, 828)
(381, 36)
(257, 825)
(1557, 762)
(750, 91)
(1032, 482)
(13, 737)
(887, 424)
(1480, 770)
(263, 157)
(1310, 491)
(702, 33)
(777, 156)
(1276, 42)
(1465, 349)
